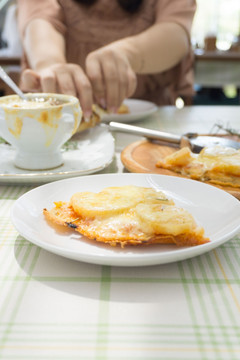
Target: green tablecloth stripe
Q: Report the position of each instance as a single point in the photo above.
(214, 309)
(22, 289)
(8, 294)
(60, 348)
(227, 305)
(7, 232)
(54, 357)
(118, 280)
(113, 338)
(76, 357)
(230, 292)
(19, 241)
(103, 312)
(13, 192)
(229, 256)
(234, 242)
(135, 327)
(202, 306)
(221, 287)
(5, 254)
(197, 333)
(232, 247)
(22, 262)
(180, 337)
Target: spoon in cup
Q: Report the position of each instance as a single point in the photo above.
(4, 76)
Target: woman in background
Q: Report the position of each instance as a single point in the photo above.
(105, 51)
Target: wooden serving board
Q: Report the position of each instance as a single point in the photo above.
(142, 156)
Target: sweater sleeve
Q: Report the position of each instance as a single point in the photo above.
(178, 11)
(48, 10)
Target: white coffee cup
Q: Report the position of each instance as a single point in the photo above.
(38, 127)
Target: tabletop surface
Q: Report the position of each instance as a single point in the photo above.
(52, 307)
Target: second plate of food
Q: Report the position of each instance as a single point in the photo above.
(135, 110)
(142, 157)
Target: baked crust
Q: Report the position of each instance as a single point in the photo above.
(89, 123)
(97, 113)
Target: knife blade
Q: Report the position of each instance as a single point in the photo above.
(193, 140)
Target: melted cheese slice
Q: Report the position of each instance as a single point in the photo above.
(128, 215)
(218, 165)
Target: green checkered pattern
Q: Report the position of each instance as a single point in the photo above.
(57, 308)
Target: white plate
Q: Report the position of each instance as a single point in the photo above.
(87, 153)
(216, 210)
(138, 109)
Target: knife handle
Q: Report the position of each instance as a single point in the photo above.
(147, 133)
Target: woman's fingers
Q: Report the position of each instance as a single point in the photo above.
(83, 89)
(111, 82)
(94, 73)
(48, 81)
(61, 78)
(132, 82)
(30, 81)
(109, 79)
(123, 79)
(111, 76)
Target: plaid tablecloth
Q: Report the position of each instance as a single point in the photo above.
(56, 308)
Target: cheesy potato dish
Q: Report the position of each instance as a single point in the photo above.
(218, 165)
(128, 215)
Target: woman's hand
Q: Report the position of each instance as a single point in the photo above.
(108, 80)
(111, 76)
(60, 78)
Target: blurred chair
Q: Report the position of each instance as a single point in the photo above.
(11, 54)
(4, 88)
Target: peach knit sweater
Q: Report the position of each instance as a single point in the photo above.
(87, 28)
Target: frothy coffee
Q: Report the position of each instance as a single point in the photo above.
(33, 103)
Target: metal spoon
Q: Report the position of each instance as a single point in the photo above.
(4, 76)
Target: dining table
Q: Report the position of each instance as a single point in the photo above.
(55, 307)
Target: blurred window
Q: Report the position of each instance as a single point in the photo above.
(216, 17)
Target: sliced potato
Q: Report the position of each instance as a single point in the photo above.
(164, 219)
(111, 201)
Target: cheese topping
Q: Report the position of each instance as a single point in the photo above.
(128, 215)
